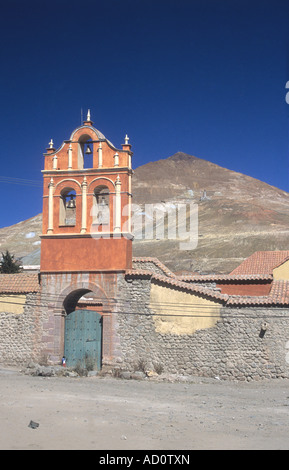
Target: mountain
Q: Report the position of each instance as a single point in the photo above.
(237, 215)
(23, 239)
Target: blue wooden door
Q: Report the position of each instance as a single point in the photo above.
(83, 339)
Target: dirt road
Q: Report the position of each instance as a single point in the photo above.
(113, 414)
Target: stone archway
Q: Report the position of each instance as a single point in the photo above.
(71, 300)
(63, 293)
(90, 308)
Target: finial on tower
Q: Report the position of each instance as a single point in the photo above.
(126, 145)
(51, 148)
(88, 119)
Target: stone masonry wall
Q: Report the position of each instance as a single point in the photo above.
(236, 348)
(245, 344)
(20, 333)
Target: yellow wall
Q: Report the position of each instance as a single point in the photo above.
(282, 271)
(12, 303)
(181, 312)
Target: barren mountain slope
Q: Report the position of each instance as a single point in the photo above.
(23, 239)
(237, 215)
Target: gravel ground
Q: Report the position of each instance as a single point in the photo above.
(106, 413)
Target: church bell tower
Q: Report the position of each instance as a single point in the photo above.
(86, 204)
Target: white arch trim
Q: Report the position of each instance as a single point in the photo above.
(98, 133)
(101, 178)
(68, 179)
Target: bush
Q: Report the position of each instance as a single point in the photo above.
(89, 363)
(159, 368)
(141, 365)
(80, 370)
(8, 265)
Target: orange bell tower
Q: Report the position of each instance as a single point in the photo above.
(86, 204)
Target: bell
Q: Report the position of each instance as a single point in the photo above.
(71, 203)
(88, 151)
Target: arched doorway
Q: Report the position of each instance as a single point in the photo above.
(83, 330)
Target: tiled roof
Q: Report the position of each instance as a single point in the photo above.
(174, 282)
(280, 291)
(256, 268)
(157, 263)
(261, 262)
(195, 288)
(20, 283)
(226, 278)
(139, 272)
(278, 296)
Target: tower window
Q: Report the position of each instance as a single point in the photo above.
(101, 213)
(67, 212)
(85, 152)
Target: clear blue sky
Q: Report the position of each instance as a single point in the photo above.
(206, 77)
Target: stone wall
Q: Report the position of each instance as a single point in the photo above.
(20, 333)
(242, 343)
(235, 348)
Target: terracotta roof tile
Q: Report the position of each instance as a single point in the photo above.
(206, 291)
(278, 296)
(261, 262)
(138, 272)
(21, 283)
(174, 282)
(225, 277)
(257, 267)
(280, 291)
(157, 263)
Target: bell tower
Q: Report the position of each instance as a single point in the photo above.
(86, 204)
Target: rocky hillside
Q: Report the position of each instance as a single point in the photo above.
(23, 239)
(237, 215)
